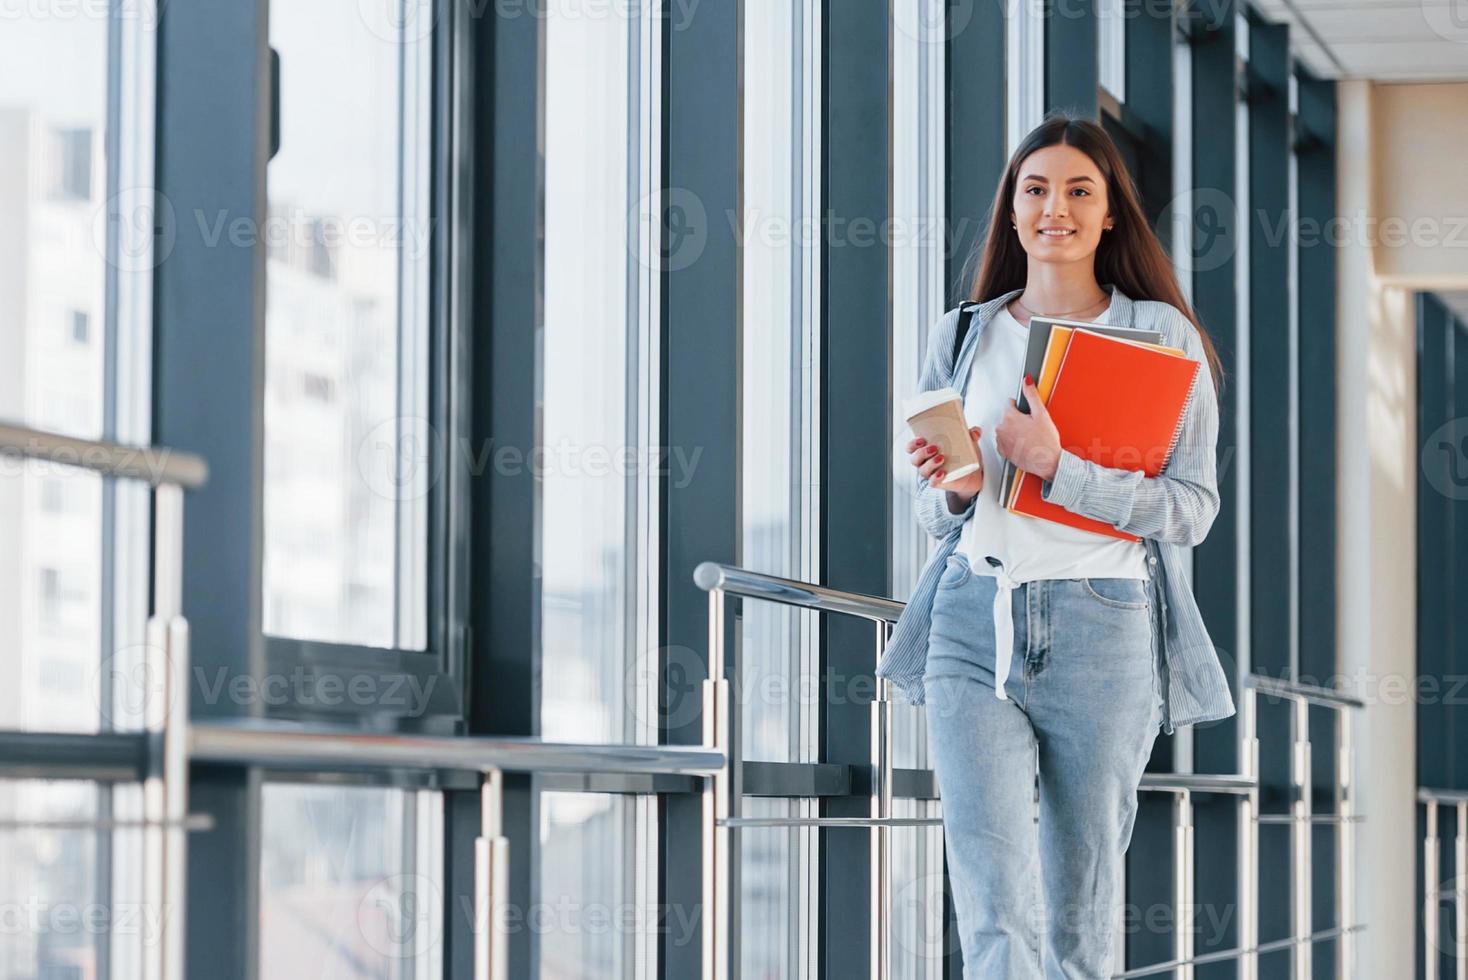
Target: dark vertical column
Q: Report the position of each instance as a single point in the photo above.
(1454, 694)
(1440, 487)
(1276, 736)
(1072, 62)
(461, 826)
(209, 328)
(223, 878)
(1270, 380)
(1436, 536)
(856, 468)
(975, 159)
(504, 580)
(1314, 145)
(1216, 230)
(1150, 94)
(213, 143)
(1434, 618)
(701, 379)
(1315, 153)
(1151, 91)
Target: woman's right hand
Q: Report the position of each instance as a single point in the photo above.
(929, 465)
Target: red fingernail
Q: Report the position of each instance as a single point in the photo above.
(1029, 380)
(922, 442)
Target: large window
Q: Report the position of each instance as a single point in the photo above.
(594, 914)
(779, 493)
(54, 190)
(1111, 25)
(349, 459)
(779, 462)
(77, 227)
(1024, 53)
(347, 527)
(351, 883)
(599, 379)
(56, 921)
(599, 393)
(920, 263)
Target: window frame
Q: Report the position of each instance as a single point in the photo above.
(439, 670)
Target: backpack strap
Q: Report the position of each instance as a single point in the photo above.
(965, 316)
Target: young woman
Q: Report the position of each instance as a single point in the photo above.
(1048, 656)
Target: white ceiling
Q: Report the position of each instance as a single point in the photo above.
(1384, 40)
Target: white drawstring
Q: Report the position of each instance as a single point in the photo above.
(1003, 625)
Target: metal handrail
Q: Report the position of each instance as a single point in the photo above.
(1300, 818)
(105, 757)
(1238, 952)
(712, 576)
(323, 749)
(1427, 794)
(1313, 693)
(1195, 782)
(722, 793)
(152, 465)
(165, 784)
(722, 803)
(857, 822)
(123, 756)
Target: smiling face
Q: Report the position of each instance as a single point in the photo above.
(1060, 205)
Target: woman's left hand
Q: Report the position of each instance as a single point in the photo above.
(1030, 441)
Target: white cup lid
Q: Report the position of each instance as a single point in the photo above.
(925, 400)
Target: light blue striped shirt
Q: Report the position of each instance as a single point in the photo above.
(1170, 512)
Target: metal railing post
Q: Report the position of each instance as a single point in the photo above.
(722, 796)
(881, 809)
(1345, 867)
(166, 720)
(719, 839)
(1435, 891)
(1300, 830)
(491, 881)
(1430, 865)
(1249, 839)
(1460, 894)
(165, 711)
(1182, 881)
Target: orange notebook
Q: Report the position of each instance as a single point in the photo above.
(1115, 402)
(1055, 347)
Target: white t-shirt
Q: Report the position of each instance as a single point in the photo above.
(1030, 548)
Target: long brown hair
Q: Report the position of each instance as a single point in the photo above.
(1128, 256)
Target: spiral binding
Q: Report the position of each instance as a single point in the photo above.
(1177, 433)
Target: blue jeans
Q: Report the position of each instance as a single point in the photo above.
(1084, 705)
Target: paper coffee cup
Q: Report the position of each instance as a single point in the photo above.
(937, 416)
